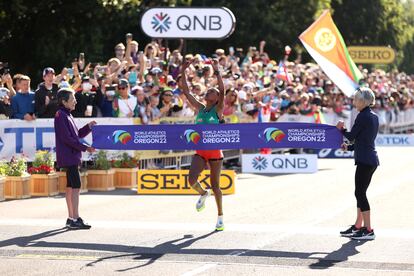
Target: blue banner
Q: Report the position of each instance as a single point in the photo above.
(223, 136)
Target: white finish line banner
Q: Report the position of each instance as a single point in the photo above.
(279, 163)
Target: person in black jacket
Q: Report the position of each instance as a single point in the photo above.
(362, 136)
(88, 100)
(46, 104)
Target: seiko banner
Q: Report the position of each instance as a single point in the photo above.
(165, 182)
(279, 163)
(199, 23)
(216, 136)
(395, 140)
(372, 54)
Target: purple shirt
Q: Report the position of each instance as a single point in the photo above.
(68, 147)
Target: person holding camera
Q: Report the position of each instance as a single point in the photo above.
(168, 103)
(23, 103)
(5, 107)
(87, 99)
(46, 103)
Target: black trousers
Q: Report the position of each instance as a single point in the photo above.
(363, 175)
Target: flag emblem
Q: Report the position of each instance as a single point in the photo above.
(325, 40)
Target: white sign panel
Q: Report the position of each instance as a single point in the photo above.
(22, 137)
(395, 140)
(279, 163)
(201, 23)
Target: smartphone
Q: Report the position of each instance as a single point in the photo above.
(70, 72)
(128, 36)
(231, 50)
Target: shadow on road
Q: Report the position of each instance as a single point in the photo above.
(342, 254)
(179, 246)
(27, 240)
(168, 246)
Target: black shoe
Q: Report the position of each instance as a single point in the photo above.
(68, 222)
(349, 232)
(83, 224)
(363, 234)
(75, 225)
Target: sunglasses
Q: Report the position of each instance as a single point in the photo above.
(169, 95)
(122, 87)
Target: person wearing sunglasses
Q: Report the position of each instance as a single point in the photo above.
(168, 103)
(124, 104)
(209, 113)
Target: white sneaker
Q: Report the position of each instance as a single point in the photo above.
(220, 223)
(201, 201)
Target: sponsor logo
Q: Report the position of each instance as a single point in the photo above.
(325, 40)
(275, 134)
(121, 136)
(161, 22)
(177, 182)
(259, 163)
(192, 136)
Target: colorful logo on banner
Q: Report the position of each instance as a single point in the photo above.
(275, 134)
(161, 22)
(259, 163)
(192, 136)
(121, 136)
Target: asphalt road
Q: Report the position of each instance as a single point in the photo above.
(275, 225)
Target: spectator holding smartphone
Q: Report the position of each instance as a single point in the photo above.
(23, 103)
(46, 103)
(87, 99)
(5, 108)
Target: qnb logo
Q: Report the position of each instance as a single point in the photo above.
(259, 163)
(161, 22)
(192, 136)
(274, 134)
(121, 136)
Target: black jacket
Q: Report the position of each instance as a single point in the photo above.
(362, 135)
(41, 109)
(84, 99)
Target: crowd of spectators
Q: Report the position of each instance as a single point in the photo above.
(144, 84)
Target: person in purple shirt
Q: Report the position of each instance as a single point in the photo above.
(69, 152)
(362, 136)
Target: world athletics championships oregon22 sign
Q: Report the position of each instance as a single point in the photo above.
(199, 23)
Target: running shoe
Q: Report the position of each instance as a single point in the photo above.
(83, 224)
(363, 234)
(68, 222)
(220, 224)
(202, 200)
(349, 232)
